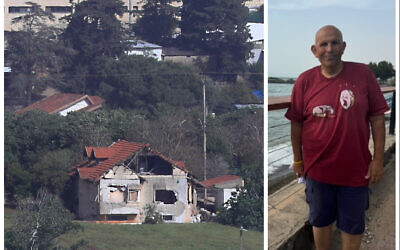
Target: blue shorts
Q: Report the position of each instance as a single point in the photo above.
(346, 205)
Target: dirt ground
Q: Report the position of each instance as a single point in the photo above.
(380, 232)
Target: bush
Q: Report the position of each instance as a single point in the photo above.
(152, 215)
(38, 222)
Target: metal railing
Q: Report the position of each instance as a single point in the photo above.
(280, 151)
(282, 102)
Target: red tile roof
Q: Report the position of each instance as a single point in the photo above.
(99, 152)
(112, 155)
(61, 101)
(221, 179)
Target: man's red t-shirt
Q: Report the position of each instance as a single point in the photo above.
(335, 116)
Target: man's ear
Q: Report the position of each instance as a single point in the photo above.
(314, 50)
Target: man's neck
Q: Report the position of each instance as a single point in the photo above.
(330, 72)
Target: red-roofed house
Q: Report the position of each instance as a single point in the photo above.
(221, 188)
(64, 103)
(118, 181)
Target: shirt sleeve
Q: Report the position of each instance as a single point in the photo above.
(377, 104)
(295, 111)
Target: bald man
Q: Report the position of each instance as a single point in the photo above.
(332, 108)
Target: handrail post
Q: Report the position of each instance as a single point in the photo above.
(392, 114)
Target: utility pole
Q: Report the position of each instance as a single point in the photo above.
(205, 140)
(130, 11)
(241, 237)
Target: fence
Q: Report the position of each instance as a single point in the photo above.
(279, 147)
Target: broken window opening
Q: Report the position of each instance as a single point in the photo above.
(117, 194)
(153, 164)
(167, 217)
(166, 196)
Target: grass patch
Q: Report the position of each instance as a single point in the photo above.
(161, 236)
(9, 217)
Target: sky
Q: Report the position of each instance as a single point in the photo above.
(368, 28)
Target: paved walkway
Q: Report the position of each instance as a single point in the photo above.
(380, 232)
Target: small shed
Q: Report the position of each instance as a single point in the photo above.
(221, 188)
(142, 48)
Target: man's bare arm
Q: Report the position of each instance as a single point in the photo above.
(296, 131)
(375, 169)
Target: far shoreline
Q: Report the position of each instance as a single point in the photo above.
(281, 80)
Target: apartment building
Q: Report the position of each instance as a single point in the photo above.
(60, 8)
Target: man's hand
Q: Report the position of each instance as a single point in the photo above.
(298, 168)
(375, 171)
(375, 168)
(296, 131)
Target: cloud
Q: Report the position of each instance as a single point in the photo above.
(315, 4)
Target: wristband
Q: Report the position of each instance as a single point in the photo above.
(297, 163)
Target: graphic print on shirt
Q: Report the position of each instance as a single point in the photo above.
(323, 111)
(347, 98)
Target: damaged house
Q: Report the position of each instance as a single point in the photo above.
(118, 182)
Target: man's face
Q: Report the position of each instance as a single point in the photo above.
(329, 47)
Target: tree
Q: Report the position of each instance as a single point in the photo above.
(383, 70)
(29, 137)
(51, 171)
(242, 134)
(143, 83)
(219, 28)
(246, 206)
(173, 131)
(152, 216)
(158, 21)
(38, 222)
(255, 75)
(97, 35)
(34, 54)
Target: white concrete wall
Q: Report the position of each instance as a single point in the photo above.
(108, 186)
(119, 179)
(255, 56)
(222, 196)
(177, 184)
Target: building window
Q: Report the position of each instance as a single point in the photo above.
(19, 9)
(167, 217)
(133, 195)
(166, 196)
(59, 9)
(116, 195)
